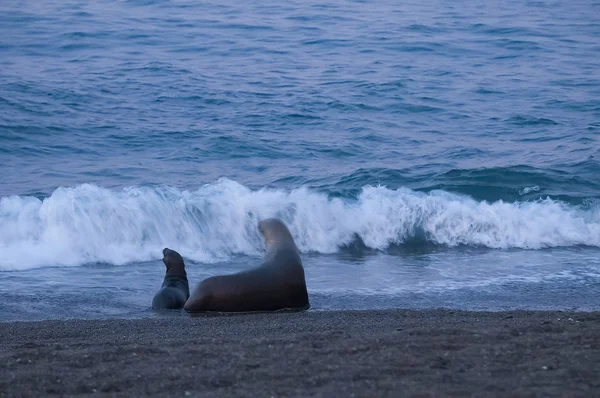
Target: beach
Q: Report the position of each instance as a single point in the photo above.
(420, 353)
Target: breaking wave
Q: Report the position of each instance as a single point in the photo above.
(91, 224)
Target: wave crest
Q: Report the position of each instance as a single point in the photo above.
(88, 224)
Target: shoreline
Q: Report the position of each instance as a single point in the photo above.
(428, 352)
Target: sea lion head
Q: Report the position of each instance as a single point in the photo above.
(173, 260)
(274, 232)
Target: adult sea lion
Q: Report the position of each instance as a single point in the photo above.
(175, 290)
(277, 284)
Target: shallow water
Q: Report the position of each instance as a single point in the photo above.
(422, 155)
(472, 279)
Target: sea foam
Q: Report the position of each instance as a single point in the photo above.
(91, 224)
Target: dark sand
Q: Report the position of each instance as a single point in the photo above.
(393, 353)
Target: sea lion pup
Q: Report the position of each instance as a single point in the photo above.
(175, 290)
(278, 284)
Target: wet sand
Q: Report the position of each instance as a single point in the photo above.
(427, 353)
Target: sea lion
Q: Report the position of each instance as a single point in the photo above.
(175, 290)
(278, 284)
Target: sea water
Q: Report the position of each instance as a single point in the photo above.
(422, 154)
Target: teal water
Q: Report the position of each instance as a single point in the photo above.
(423, 155)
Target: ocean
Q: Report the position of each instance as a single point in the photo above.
(423, 155)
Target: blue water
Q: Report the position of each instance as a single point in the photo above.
(423, 155)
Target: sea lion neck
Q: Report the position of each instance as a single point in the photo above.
(279, 243)
(176, 270)
(274, 232)
(178, 273)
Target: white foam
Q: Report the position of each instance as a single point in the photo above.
(87, 223)
(527, 190)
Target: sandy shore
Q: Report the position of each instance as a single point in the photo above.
(346, 353)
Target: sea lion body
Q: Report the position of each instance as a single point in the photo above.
(278, 284)
(175, 290)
